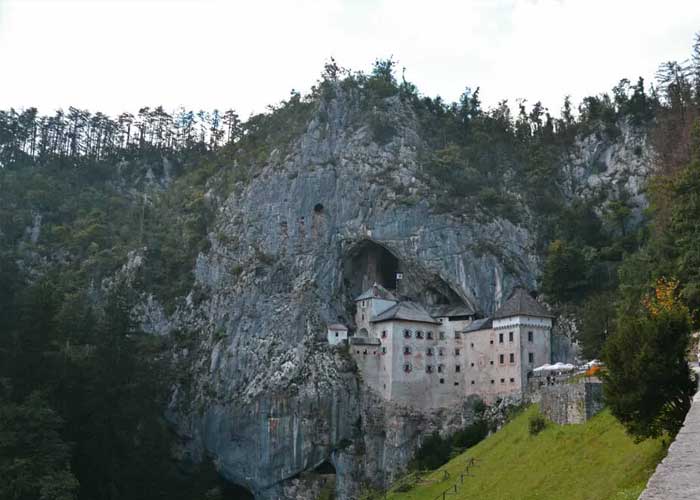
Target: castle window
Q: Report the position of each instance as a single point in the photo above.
(456, 383)
(491, 342)
(442, 335)
(512, 380)
(458, 335)
(530, 357)
(383, 334)
(407, 349)
(458, 368)
(491, 362)
(429, 368)
(441, 368)
(472, 364)
(510, 336)
(407, 334)
(457, 351)
(500, 338)
(336, 334)
(364, 352)
(511, 358)
(419, 334)
(441, 351)
(407, 367)
(472, 382)
(501, 358)
(383, 350)
(429, 352)
(442, 380)
(429, 335)
(471, 345)
(503, 381)
(492, 381)
(363, 317)
(529, 336)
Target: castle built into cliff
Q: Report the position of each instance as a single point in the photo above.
(436, 356)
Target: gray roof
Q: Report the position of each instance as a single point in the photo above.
(406, 311)
(376, 292)
(337, 326)
(521, 303)
(450, 311)
(479, 324)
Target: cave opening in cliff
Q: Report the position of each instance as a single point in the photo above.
(367, 263)
(325, 468)
(233, 491)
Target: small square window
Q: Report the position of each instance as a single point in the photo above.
(472, 364)
(493, 381)
(419, 334)
(456, 383)
(491, 362)
(458, 335)
(429, 335)
(491, 342)
(503, 381)
(442, 380)
(429, 368)
(336, 334)
(442, 335)
(472, 382)
(512, 380)
(457, 352)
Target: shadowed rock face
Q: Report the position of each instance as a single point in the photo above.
(259, 390)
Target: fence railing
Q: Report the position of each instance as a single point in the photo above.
(452, 490)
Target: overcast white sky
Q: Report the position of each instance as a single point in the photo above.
(119, 55)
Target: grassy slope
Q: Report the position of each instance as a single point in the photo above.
(593, 461)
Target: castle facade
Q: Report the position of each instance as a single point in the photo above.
(436, 356)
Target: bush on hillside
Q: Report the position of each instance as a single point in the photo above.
(536, 424)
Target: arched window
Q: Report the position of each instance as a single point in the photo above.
(419, 334)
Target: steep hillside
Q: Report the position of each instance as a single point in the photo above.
(592, 461)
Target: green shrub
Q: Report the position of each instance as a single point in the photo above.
(536, 424)
(434, 452)
(470, 435)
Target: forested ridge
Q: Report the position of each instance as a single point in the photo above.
(82, 390)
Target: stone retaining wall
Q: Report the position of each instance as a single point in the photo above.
(571, 403)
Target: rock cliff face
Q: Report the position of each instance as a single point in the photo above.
(258, 388)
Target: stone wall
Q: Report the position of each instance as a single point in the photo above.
(677, 477)
(571, 403)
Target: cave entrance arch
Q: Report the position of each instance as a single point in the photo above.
(367, 263)
(233, 491)
(325, 468)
